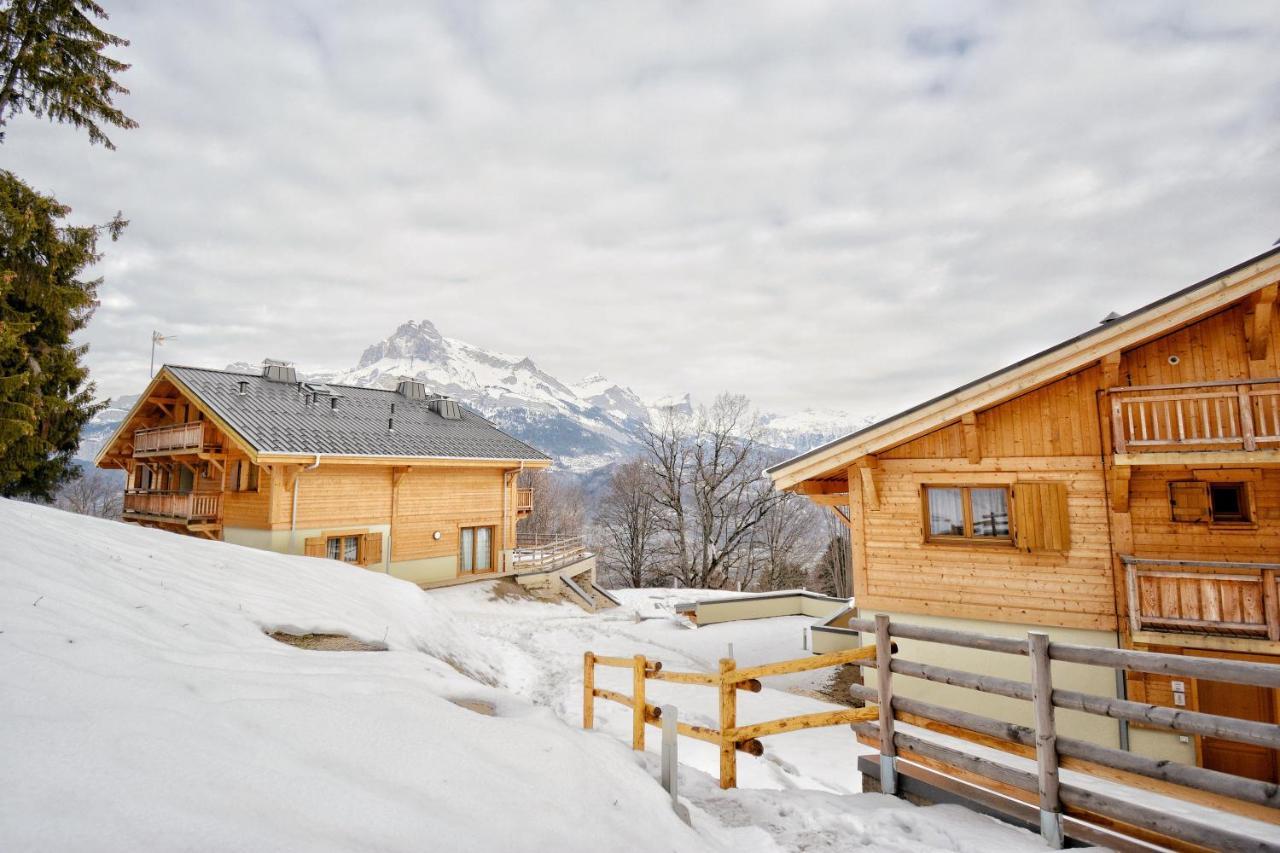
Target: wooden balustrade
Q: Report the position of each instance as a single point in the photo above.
(524, 500)
(546, 551)
(175, 438)
(180, 506)
(1230, 415)
(1182, 596)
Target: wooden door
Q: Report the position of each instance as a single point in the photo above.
(1246, 702)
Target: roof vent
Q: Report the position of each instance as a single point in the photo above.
(1112, 317)
(278, 371)
(445, 408)
(411, 389)
(333, 402)
(242, 387)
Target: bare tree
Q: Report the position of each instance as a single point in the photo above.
(833, 573)
(559, 503)
(95, 492)
(709, 486)
(627, 526)
(781, 546)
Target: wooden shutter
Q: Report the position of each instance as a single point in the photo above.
(1189, 500)
(233, 477)
(315, 547)
(371, 549)
(1040, 518)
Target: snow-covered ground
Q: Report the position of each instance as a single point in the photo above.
(145, 707)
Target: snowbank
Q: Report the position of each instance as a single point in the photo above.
(144, 707)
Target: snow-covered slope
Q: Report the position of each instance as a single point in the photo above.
(584, 425)
(144, 708)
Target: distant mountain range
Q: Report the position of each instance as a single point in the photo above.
(584, 425)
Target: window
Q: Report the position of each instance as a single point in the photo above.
(477, 549)
(252, 484)
(344, 548)
(979, 513)
(1217, 503)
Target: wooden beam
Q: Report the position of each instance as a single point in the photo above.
(869, 488)
(848, 522)
(1120, 488)
(821, 487)
(969, 423)
(831, 500)
(1110, 364)
(1260, 336)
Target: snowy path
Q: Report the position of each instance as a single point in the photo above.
(802, 794)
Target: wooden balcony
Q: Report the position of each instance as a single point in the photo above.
(170, 440)
(173, 507)
(1206, 598)
(524, 500)
(544, 552)
(1231, 415)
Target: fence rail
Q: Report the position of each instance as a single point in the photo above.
(728, 680)
(186, 506)
(1212, 415)
(546, 551)
(166, 439)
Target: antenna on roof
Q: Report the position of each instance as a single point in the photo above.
(157, 340)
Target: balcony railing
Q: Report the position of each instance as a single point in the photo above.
(179, 506)
(1228, 415)
(524, 500)
(546, 551)
(176, 438)
(1216, 598)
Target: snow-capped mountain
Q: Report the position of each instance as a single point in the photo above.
(584, 425)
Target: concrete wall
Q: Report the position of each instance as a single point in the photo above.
(1100, 681)
(714, 610)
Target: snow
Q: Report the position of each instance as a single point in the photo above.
(145, 707)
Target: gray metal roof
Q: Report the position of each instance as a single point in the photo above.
(275, 418)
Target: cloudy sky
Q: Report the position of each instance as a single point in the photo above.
(833, 205)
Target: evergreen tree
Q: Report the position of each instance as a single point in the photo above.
(52, 63)
(45, 396)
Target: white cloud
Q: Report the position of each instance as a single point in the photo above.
(813, 203)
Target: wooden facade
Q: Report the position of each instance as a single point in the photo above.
(1126, 482)
(190, 472)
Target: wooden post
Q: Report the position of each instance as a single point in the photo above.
(1246, 418)
(1046, 740)
(588, 690)
(884, 689)
(1118, 439)
(637, 702)
(1270, 604)
(728, 721)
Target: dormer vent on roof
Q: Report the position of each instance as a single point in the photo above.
(275, 370)
(445, 408)
(411, 389)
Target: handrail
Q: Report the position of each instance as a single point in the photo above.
(1231, 414)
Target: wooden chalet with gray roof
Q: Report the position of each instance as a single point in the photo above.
(1121, 488)
(405, 482)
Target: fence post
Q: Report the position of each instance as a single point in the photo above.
(588, 690)
(728, 721)
(884, 690)
(671, 759)
(637, 702)
(1046, 739)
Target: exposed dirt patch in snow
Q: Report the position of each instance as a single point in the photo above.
(326, 642)
(480, 706)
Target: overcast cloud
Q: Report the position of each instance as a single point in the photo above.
(847, 205)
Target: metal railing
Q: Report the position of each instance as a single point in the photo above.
(1203, 597)
(186, 506)
(1228, 415)
(175, 437)
(546, 551)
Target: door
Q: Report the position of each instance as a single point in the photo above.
(1246, 702)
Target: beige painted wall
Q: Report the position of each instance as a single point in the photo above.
(712, 611)
(1100, 681)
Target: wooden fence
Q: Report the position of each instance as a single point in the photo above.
(1050, 751)
(1086, 808)
(729, 736)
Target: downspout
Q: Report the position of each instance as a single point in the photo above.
(293, 519)
(1122, 683)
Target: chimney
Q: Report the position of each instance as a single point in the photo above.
(411, 389)
(445, 408)
(274, 370)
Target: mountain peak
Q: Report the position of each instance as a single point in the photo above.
(411, 340)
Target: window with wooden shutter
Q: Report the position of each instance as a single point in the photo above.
(1040, 518)
(315, 546)
(233, 477)
(372, 550)
(1189, 500)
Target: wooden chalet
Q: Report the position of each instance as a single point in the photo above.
(1119, 489)
(404, 482)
